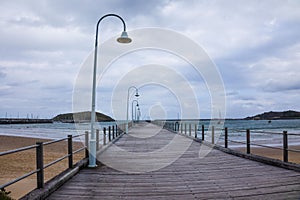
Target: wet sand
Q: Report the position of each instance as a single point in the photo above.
(17, 164)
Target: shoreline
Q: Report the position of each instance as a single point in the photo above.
(17, 164)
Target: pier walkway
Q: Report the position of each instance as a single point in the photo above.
(216, 176)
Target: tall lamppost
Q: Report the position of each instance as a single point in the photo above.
(137, 104)
(122, 39)
(137, 95)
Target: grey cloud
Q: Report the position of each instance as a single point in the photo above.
(60, 34)
(281, 86)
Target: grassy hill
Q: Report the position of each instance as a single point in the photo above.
(81, 117)
(290, 114)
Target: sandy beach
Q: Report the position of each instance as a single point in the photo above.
(15, 165)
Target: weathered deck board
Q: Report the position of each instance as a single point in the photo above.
(216, 176)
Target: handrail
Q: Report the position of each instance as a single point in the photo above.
(19, 178)
(56, 161)
(184, 128)
(39, 158)
(54, 141)
(113, 133)
(17, 150)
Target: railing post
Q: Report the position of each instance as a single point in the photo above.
(109, 134)
(213, 135)
(185, 128)
(104, 136)
(97, 139)
(190, 129)
(70, 151)
(285, 147)
(248, 141)
(226, 137)
(86, 144)
(40, 165)
(181, 128)
(202, 132)
(112, 132)
(196, 130)
(117, 131)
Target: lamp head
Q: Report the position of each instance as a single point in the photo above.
(124, 38)
(137, 94)
(137, 105)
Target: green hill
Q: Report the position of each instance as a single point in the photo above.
(81, 117)
(290, 114)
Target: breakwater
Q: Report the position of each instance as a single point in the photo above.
(24, 121)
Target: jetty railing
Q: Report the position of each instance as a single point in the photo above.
(110, 134)
(39, 155)
(193, 129)
(248, 143)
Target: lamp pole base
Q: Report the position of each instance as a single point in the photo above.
(92, 154)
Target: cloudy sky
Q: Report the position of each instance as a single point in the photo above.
(255, 46)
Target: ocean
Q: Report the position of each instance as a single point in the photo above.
(236, 130)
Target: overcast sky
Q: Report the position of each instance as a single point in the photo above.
(255, 45)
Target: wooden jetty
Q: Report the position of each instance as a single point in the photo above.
(216, 176)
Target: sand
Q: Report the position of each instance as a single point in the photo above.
(274, 153)
(15, 165)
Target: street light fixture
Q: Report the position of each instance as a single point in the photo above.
(137, 104)
(136, 95)
(122, 39)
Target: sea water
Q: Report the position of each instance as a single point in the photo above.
(49, 130)
(236, 130)
(264, 132)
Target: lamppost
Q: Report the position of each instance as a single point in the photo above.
(138, 114)
(122, 39)
(137, 104)
(137, 95)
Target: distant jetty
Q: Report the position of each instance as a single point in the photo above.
(290, 114)
(24, 121)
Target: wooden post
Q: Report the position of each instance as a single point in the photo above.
(97, 139)
(285, 147)
(185, 128)
(213, 135)
(113, 131)
(190, 129)
(196, 130)
(40, 165)
(248, 141)
(202, 132)
(104, 136)
(109, 134)
(70, 151)
(226, 137)
(86, 144)
(117, 131)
